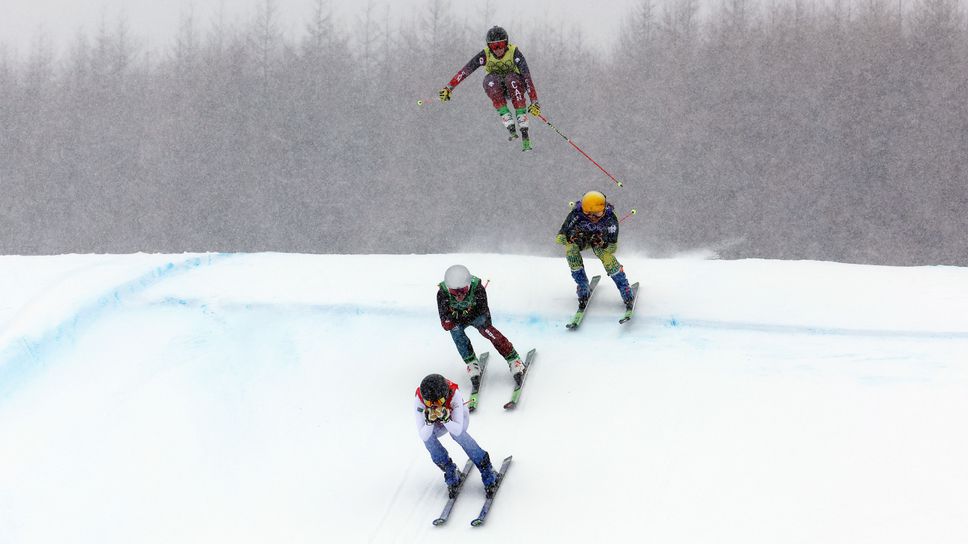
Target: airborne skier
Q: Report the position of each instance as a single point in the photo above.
(439, 410)
(592, 224)
(462, 303)
(507, 76)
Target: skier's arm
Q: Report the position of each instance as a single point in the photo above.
(423, 430)
(526, 74)
(479, 60)
(443, 306)
(455, 425)
(480, 305)
(611, 230)
(569, 221)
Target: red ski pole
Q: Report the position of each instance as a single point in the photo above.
(567, 139)
(626, 216)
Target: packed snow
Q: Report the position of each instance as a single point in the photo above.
(267, 398)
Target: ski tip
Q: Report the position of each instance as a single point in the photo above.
(477, 522)
(439, 521)
(510, 406)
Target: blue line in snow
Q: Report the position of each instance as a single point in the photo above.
(27, 355)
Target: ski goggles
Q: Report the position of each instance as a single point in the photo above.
(460, 292)
(438, 403)
(494, 46)
(596, 215)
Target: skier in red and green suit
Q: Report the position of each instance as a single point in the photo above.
(462, 303)
(507, 76)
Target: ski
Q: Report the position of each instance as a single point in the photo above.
(635, 298)
(450, 501)
(516, 394)
(472, 403)
(580, 314)
(479, 520)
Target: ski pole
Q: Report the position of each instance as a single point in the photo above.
(567, 139)
(422, 101)
(572, 204)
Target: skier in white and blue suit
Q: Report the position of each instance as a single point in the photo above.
(439, 409)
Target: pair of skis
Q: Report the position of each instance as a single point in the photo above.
(515, 395)
(479, 520)
(580, 314)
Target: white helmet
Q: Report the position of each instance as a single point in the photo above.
(457, 277)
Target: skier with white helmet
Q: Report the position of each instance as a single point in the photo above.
(462, 303)
(439, 410)
(593, 224)
(508, 76)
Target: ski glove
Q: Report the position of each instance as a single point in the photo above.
(445, 94)
(437, 415)
(534, 109)
(561, 239)
(447, 324)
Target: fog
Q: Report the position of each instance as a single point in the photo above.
(775, 129)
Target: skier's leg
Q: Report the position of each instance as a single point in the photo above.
(616, 272)
(479, 456)
(494, 87)
(466, 351)
(504, 347)
(515, 87)
(577, 266)
(442, 459)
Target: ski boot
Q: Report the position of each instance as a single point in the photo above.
(525, 140)
(474, 372)
(451, 477)
(582, 289)
(512, 133)
(517, 368)
(488, 476)
(628, 297)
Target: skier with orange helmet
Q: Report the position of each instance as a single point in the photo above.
(593, 224)
(508, 77)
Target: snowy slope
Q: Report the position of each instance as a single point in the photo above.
(267, 398)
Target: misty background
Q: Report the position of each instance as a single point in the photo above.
(777, 129)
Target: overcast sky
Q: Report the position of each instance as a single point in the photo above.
(155, 21)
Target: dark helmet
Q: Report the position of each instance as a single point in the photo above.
(497, 34)
(434, 387)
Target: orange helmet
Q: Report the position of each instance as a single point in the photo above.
(593, 203)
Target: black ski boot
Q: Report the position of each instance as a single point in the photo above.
(486, 467)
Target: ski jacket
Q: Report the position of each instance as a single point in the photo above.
(463, 312)
(459, 417)
(512, 61)
(581, 230)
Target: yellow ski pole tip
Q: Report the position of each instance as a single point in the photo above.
(571, 204)
(634, 211)
(420, 102)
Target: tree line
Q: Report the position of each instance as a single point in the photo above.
(780, 129)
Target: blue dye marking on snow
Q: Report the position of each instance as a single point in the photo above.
(28, 355)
